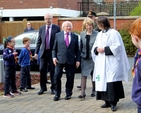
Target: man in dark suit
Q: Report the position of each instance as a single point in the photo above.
(29, 28)
(65, 54)
(45, 44)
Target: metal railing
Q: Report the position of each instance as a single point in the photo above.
(123, 8)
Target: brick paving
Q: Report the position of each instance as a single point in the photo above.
(30, 102)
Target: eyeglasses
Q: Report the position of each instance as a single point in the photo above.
(48, 18)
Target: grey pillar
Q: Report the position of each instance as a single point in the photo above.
(1, 69)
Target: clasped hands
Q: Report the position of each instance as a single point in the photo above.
(100, 49)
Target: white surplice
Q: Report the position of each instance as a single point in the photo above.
(110, 68)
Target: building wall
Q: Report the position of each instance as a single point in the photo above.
(17, 27)
(25, 4)
(69, 4)
(121, 23)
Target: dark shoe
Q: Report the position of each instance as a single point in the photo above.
(67, 97)
(23, 90)
(40, 92)
(106, 105)
(79, 87)
(45, 89)
(82, 96)
(56, 98)
(113, 108)
(92, 95)
(52, 91)
(30, 88)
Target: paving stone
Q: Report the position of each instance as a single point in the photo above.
(31, 102)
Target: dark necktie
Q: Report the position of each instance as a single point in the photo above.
(67, 39)
(47, 38)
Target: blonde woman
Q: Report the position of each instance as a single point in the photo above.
(87, 36)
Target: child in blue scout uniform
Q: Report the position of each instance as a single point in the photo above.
(136, 58)
(24, 62)
(9, 56)
(135, 32)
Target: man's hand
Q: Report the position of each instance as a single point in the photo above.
(77, 64)
(55, 61)
(36, 56)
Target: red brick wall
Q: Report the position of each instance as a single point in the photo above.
(69, 4)
(121, 22)
(77, 24)
(24, 4)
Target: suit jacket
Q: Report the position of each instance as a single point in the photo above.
(41, 43)
(83, 43)
(26, 29)
(65, 54)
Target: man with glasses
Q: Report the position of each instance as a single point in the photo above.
(45, 44)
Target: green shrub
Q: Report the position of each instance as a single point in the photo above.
(136, 11)
(129, 46)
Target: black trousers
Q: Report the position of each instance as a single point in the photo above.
(70, 71)
(46, 65)
(25, 78)
(10, 80)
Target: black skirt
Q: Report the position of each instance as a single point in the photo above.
(113, 94)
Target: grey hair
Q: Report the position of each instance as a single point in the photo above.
(49, 14)
(65, 22)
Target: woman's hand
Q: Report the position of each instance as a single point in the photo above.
(100, 49)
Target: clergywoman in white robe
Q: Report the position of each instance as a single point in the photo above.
(111, 64)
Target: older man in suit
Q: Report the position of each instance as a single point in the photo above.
(65, 54)
(45, 44)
